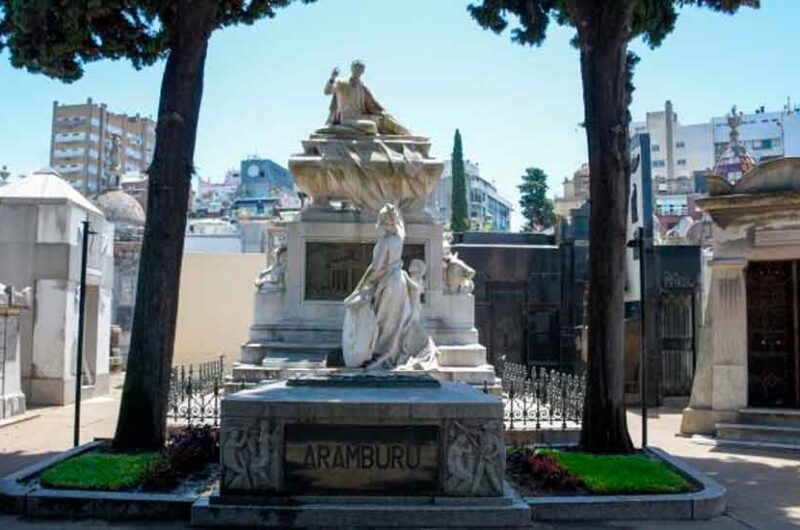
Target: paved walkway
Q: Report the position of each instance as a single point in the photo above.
(50, 429)
(763, 486)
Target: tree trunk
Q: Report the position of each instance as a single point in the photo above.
(142, 417)
(603, 34)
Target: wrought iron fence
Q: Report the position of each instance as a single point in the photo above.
(537, 398)
(195, 392)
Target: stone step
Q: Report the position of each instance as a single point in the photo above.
(771, 416)
(280, 345)
(745, 432)
(466, 355)
(276, 366)
(281, 352)
(474, 375)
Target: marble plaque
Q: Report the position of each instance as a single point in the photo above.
(334, 269)
(360, 459)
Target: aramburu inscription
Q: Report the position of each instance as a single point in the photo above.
(361, 459)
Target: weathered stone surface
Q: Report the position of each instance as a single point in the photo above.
(367, 171)
(361, 459)
(475, 458)
(398, 513)
(356, 435)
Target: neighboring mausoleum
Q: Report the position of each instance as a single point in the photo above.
(40, 246)
(748, 370)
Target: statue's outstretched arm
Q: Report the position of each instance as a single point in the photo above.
(328, 90)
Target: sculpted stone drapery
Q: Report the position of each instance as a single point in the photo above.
(382, 327)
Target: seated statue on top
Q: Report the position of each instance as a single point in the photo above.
(354, 110)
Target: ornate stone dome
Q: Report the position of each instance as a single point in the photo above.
(120, 208)
(124, 211)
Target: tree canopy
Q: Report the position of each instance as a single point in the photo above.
(651, 19)
(537, 208)
(58, 37)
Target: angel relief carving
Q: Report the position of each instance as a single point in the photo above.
(475, 461)
(250, 459)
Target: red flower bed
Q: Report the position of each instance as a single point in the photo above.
(536, 474)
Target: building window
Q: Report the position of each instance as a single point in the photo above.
(680, 145)
(655, 148)
(681, 161)
(659, 163)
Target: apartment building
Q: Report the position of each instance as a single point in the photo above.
(88, 143)
(487, 208)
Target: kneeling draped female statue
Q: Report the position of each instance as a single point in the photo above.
(382, 328)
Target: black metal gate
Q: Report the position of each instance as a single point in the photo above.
(677, 342)
(772, 334)
(516, 329)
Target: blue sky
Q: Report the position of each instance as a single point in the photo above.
(434, 69)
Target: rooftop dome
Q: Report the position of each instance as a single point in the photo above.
(120, 208)
(734, 161)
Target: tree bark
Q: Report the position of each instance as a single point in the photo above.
(603, 31)
(142, 417)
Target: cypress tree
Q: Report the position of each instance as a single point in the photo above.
(459, 217)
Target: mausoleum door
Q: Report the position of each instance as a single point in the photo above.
(772, 333)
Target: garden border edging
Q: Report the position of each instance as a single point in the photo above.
(704, 504)
(16, 497)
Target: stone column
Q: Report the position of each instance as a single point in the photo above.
(729, 299)
(719, 389)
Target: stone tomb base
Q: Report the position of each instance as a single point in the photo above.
(362, 450)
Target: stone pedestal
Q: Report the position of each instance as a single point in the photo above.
(344, 449)
(317, 259)
(298, 321)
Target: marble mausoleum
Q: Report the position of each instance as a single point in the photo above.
(749, 359)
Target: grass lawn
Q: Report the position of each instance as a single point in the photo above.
(617, 474)
(99, 471)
